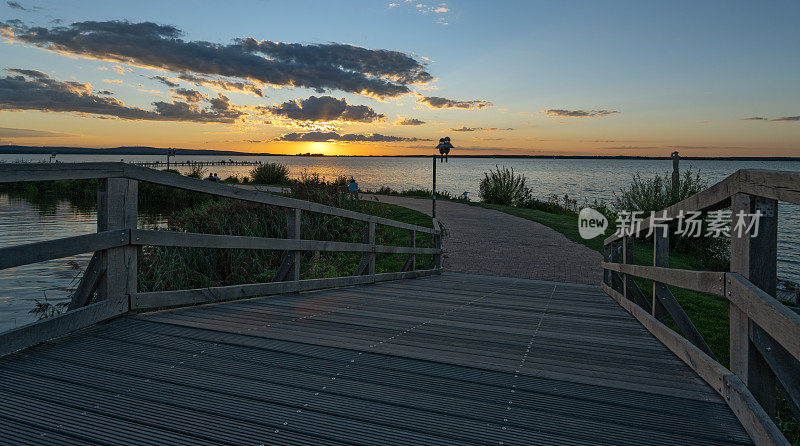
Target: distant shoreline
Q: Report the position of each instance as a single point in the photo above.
(155, 151)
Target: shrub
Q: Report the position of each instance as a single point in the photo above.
(657, 193)
(270, 173)
(198, 172)
(503, 186)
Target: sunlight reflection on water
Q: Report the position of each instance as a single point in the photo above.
(584, 180)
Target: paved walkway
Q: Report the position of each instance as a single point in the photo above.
(485, 241)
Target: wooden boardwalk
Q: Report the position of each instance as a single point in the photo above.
(450, 359)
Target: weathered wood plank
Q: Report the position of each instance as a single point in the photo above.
(224, 190)
(755, 259)
(46, 329)
(63, 247)
(711, 282)
(117, 209)
(161, 299)
(12, 173)
(196, 240)
(682, 320)
(660, 259)
(773, 184)
(781, 362)
(88, 284)
(754, 419)
(775, 318)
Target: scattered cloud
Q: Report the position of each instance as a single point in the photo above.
(105, 92)
(781, 119)
(8, 132)
(409, 121)
(439, 102)
(348, 137)
(478, 129)
(189, 95)
(113, 81)
(561, 113)
(235, 86)
(330, 66)
(166, 81)
(324, 108)
(440, 11)
(16, 5)
(35, 90)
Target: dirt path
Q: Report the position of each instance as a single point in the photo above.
(485, 241)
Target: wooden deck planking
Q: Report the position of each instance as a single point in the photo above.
(444, 359)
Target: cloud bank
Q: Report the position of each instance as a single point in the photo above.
(332, 66)
(324, 108)
(439, 102)
(561, 113)
(348, 137)
(35, 90)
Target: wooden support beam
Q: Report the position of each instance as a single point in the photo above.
(89, 283)
(660, 258)
(755, 259)
(117, 208)
(437, 244)
(411, 261)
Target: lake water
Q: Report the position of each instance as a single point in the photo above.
(584, 180)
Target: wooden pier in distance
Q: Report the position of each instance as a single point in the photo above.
(417, 356)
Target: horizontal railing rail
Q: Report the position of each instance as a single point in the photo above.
(108, 287)
(764, 333)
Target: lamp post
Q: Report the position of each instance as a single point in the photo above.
(170, 152)
(444, 149)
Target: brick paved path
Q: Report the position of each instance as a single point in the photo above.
(485, 241)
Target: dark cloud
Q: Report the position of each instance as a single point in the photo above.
(34, 90)
(106, 92)
(243, 87)
(29, 133)
(578, 113)
(353, 69)
(189, 95)
(409, 121)
(439, 102)
(781, 119)
(348, 137)
(478, 129)
(166, 81)
(324, 108)
(16, 5)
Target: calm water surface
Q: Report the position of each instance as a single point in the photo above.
(585, 180)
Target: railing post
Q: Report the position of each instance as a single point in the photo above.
(660, 258)
(755, 258)
(293, 221)
(437, 243)
(370, 238)
(412, 243)
(613, 275)
(607, 258)
(117, 208)
(627, 258)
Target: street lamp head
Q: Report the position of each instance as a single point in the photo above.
(444, 147)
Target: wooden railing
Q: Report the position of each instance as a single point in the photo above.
(764, 334)
(110, 280)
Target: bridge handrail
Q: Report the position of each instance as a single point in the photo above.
(111, 273)
(764, 333)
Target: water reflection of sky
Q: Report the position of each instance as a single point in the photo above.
(584, 180)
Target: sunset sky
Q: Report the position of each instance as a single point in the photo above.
(392, 77)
